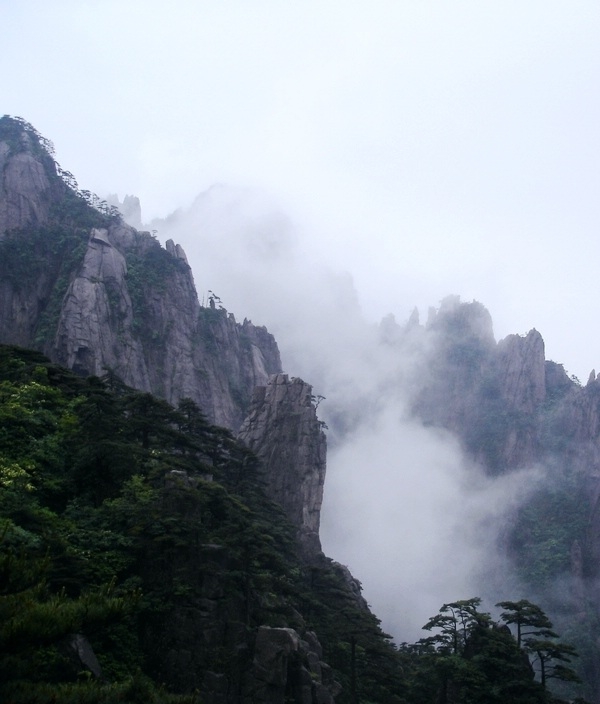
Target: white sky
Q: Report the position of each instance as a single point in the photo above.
(428, 148)
(425, 148)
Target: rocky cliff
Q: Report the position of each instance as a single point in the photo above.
(95, 294)
(27, 187)
(283, 430)
(509, 405)
(102, 298)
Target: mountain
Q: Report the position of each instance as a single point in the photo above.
(94, 294)
(118, 458)
(139, 545)
(233, 584)
(513, 410)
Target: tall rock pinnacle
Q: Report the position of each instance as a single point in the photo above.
(283, 430)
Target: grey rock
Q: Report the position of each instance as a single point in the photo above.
(83, 650)
(521, 364)
(94, 329)
(283, 430)
(129, 208)
(287, 669)
(174, 348)
(151, 331)
(26, 189)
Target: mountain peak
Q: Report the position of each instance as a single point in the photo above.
(28, 177)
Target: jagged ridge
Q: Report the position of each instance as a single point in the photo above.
(93, 293)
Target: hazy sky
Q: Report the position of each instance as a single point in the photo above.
(383, 154)
(427, 148)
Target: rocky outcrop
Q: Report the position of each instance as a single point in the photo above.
(82, 650)
(456, 320)
(95, 326)
(288, 668)
(129, 207)
(27, 189)
(102, 297)
(283, 430)
(159, 338)
(510, 407)
(458, 343)
(520, 363)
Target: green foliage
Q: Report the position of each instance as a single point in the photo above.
(545, 529)
(12, 130)
(142, 526)
(455, 623)
(135, 689)
(527, 617)
(472, 659)
(149, 270)
(122, 518)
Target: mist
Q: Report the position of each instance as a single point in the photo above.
(427, 148)
(414, 519)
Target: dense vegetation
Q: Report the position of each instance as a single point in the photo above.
(46, 256)
(117, 511)
(469, 658)
(121, 516)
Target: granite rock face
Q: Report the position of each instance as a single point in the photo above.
(494, 396)
(164, 342)
(27, 189)
(123, 303)
(520, 363)
(283, 430)
(95, 326)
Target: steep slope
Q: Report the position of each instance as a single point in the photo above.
(283, 430)
(140, 536)
(106, 300)
(27, 187)
(102, 298)
(508, 404)
(94, 294)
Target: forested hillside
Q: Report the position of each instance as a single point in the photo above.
(145, 530)
(141, 561)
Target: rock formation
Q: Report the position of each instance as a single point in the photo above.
(520, 363)
(504, 400)
(288, 667)
(97, 295)
(27, 186)
(106, 296)
(130, 208)
(283, 430)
